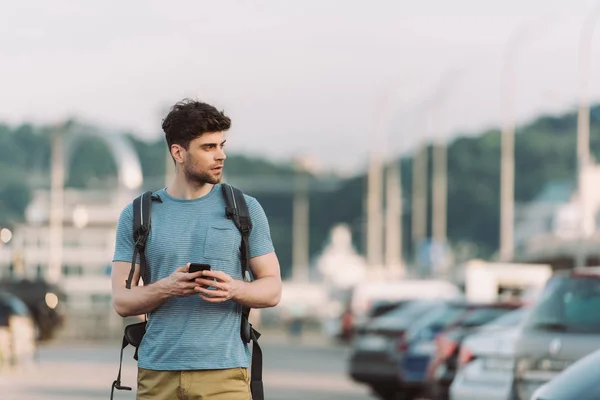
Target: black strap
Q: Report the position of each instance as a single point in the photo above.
(236, 209)
(142, 207)
(256, 384)
(117, 382)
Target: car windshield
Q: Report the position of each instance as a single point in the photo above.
(481, 316)
(382, 307)
(568, 304)
(508, 320)
(401, 317)
(438, 318)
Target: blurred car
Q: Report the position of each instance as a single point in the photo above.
(347, 328)
(17, 332)
(444, 364)
(563, 327)
(45, 302)
(579, 381)
(370, 298)
(371, 361)
(486, 360)
(419, 344)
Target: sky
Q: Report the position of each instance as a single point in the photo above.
(325, 79)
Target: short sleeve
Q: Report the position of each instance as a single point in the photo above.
(124, 238)
(260, 236)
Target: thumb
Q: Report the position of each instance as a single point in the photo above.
(185, 268)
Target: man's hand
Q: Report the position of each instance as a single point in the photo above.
(225, 286)
(180, 283)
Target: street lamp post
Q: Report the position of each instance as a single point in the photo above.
(393, 224)
(583, 126)
(507, 159)
(419, 200)
(56, 205)
(507, 155)
(301, 224)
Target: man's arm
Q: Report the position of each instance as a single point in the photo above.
(264, 291)
(144, 299)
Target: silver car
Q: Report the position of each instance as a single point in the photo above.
(563, 327)
(579, 381)
(487, 360)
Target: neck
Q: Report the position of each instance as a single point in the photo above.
(182, 189)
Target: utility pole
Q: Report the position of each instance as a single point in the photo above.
(584, 160)
(300, 249)
(440, 193)
(374, 214)
(393, 225)
(507, 157)
(419, 200)
(56, 205)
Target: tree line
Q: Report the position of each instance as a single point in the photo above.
(545, 152)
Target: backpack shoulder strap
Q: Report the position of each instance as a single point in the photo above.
(236, 209)
(142, 207)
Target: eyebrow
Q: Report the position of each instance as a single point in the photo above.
(212, 144)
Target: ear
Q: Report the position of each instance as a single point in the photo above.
(178, 153)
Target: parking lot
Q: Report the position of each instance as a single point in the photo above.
(311, 369)
(543, 347)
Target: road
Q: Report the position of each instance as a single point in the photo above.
(310, 370)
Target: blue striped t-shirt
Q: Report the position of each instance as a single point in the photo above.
(188, 333)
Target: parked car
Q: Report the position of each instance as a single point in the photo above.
(17, 332)
(369, 297)
(486, 360)
(444, 364)
(563, 327)
(579, 381)
(371, 362)
(419, 345)
(45, 302)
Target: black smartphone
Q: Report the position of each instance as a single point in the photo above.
(195, 267)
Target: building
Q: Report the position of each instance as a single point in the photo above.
(555, 229)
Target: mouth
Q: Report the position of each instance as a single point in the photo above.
(218, 169)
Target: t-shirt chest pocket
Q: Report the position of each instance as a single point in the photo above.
(222, 242)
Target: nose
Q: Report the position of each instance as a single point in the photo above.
(221, 156)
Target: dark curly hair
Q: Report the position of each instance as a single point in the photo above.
(189, 119)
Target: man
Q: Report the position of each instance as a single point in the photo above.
(192, 347)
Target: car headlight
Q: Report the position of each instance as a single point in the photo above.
(51, 300)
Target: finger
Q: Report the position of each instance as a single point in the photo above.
(210, 282)
(220, 275)
(190, 276)
(212, 293)
(185, 268)
(213, 300)
(190, 285)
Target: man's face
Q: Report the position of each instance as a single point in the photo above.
(204, 159)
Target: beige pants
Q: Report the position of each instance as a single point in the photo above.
(214, 384)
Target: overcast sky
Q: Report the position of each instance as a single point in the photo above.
(295, 76)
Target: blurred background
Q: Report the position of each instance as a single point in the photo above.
(428, 170)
